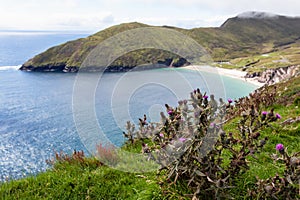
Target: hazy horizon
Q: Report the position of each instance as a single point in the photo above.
(89, 31)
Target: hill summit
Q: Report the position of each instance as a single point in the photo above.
(257, 15)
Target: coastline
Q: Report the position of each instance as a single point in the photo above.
(233, 73)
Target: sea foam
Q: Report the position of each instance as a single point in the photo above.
(5, 68)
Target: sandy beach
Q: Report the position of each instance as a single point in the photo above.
(233, 73)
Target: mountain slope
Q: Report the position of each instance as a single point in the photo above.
(274, 29)
(245, 35)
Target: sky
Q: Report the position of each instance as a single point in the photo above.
(94, 15)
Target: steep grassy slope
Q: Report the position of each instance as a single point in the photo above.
(282, 56)
(237, 37)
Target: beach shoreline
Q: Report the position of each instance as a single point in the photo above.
(233, 73)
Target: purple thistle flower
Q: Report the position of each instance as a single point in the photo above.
(212, 124)
(229, 100)
(280, 147)
(161, 135)
(264, 112)
(278, 116)
(170, 112)
(205, 96)
(182, 139)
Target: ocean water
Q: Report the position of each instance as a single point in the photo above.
(38, 110)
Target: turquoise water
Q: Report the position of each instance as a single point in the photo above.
(36, 109)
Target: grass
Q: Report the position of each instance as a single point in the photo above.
(289, 135)
(284, 56)
(264, 167)
(73, 181)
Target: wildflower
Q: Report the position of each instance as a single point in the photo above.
(278, 116)
(229, 100)
(212, 124)
(170, 112)
(264, 112)
(182, 139)
(161, 135)
(280, 148)
(264, 115)
(205, 96)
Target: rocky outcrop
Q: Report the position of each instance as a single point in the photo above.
(49, 68)
(272, 76)
(61, 67)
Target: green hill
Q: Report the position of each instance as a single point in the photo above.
(238, 37)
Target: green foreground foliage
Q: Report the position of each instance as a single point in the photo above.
(82, 179)
(79, 177)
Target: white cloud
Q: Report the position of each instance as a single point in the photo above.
(253, 14)
(83, 21)
(52, 15)
(179, 22)
(98, 14)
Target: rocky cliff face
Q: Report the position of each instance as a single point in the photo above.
(272, 76)
(50, 68)
(61, 67)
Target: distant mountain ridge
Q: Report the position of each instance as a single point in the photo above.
(247, 34)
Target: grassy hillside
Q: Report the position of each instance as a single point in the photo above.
(78, 177)
(236, 38)
(282, 56)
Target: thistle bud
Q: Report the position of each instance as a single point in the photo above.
(280, 148)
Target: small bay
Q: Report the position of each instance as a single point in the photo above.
(36, 109)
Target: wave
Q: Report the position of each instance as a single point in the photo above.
(5, 68)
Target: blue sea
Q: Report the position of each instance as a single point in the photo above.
(38, 110)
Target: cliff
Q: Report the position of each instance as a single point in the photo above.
(272, 76)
